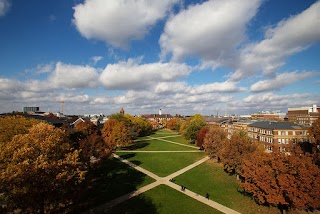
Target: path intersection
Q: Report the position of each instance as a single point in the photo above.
(167, 180)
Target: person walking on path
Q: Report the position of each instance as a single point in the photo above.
(207, 196)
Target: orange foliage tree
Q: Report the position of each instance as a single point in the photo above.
(214, 141)
(39, 171)
(314, 132)
(282, 180)
(174, 124)
(235, 150)
(13, 125)
(116, 133)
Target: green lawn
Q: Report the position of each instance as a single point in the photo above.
(209, 177)
(155, 145)
(163, 133)
(162, 199)
(111, 180)
(180, 139)
(162, 164)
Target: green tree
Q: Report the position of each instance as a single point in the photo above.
(39, 171)
(193, 127)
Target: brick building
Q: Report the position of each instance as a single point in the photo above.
(303, 115)
(277, 134)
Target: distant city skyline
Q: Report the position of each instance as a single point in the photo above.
(181, 56)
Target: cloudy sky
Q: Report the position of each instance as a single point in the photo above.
(183, 56)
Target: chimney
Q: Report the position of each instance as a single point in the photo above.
(314, 108)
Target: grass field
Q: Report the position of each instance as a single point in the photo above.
(163, 199)
(162, 164)
(155, 145)
(210, 178)
(111, 180)
(180, 139)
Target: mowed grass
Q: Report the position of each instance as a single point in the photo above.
(180, 139)
(209, 177)
(110, 180)
(162, 199)
(163, 164)
(155, 145)
(163, 133)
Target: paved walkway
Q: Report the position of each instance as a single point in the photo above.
(146, 139)
(164, 181)
(174, 142)
(142, 151)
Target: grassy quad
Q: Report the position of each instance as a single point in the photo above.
(111, 180)
(162, 164)
(180, 139)
(209, 177)
(162, 199)
(155, 145)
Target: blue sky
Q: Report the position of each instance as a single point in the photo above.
(183, 56)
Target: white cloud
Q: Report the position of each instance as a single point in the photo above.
(96, 59)
(117, 22)
(211, 30)
(4, 7)
(44, 68)
(226, 86)
(273, 98)
(74, 76)
(171, 87)
(133, 75)
(287, 38)
(280, 81)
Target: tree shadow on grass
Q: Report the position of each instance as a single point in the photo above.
(127, 156)
(136, 145)
(140, 204)
(110, 180)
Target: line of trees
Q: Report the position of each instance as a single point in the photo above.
(286, 180)
(43, 168)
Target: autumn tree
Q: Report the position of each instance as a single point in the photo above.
(116, 133)
(193, 126)
(39, 171)
(50, 115)
(13, 125)
(236, 149)
(94, 148)
(214, 140)
(174, 124)
(314, 132)
(201, 135)
(282, 180)
(86, 127)
(145, 126)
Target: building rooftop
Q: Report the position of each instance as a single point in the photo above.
(276, 125)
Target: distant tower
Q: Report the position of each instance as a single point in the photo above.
(160, 112)
(62, 107)
(121, 111)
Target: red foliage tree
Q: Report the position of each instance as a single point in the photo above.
(236, 149)
(201, 135)
(214, 141)
(286, 181)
